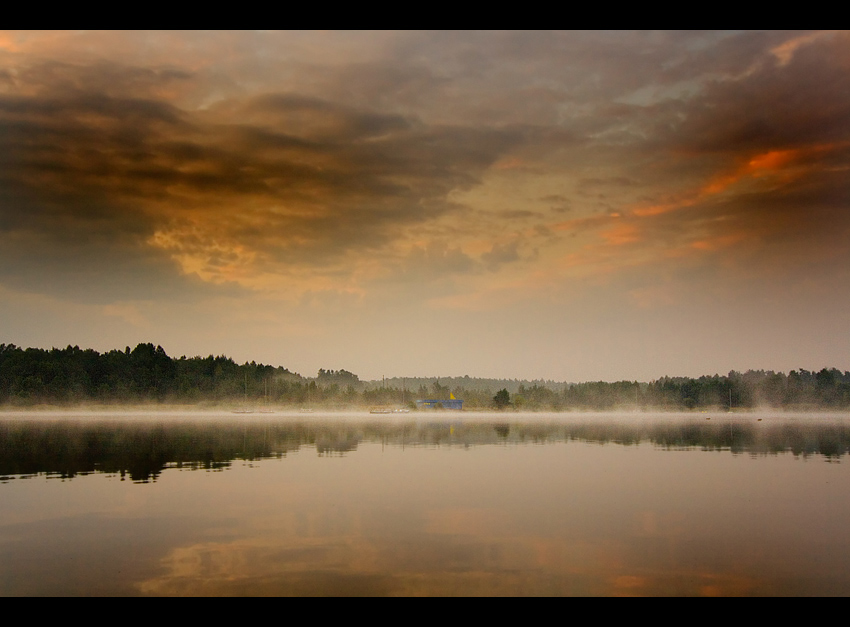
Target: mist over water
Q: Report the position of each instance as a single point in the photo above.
(426, 503)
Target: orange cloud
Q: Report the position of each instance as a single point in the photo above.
(763, 164)
(7, 43)
(655, 210)
(772, 160)
(784, 52)
(777, 165)
(622, 234)
(770, 163)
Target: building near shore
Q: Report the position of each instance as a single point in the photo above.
(446, 403)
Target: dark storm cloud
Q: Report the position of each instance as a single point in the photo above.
(293, 178)
(807, 100)
(78, 249)
(355, 154)
(774, 150)
(337, 121)
(101, 77)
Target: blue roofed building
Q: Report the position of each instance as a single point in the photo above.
(446, 403)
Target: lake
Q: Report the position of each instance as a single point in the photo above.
(425, 503)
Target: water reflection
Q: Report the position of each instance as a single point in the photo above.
(142, 450)
(499, 505)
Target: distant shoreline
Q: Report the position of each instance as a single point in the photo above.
(148, 378)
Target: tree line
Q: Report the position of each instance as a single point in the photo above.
(147, 374)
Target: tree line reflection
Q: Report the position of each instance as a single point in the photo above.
(143, 450)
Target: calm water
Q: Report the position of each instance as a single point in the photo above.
(440, 504)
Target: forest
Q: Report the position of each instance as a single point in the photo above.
(146, 374)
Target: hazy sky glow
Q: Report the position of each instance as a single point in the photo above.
(571, 206)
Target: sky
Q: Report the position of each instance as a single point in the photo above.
(544, 205)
